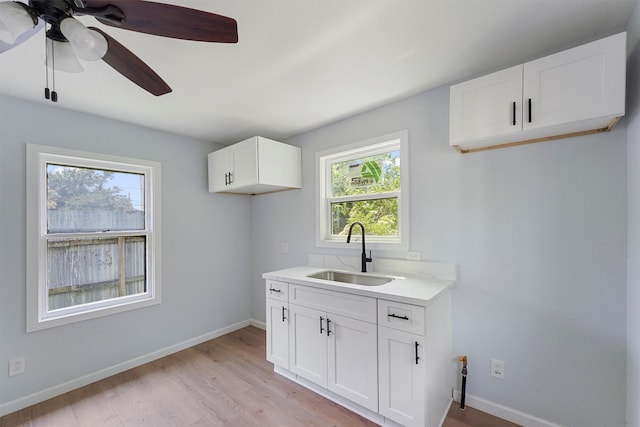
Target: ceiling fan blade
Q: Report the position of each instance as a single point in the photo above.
(22, 37)
(172, 21)
(129, 65)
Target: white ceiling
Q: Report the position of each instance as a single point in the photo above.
(300, 64)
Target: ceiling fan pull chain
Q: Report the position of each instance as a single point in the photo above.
(47, 94)
(54, 94)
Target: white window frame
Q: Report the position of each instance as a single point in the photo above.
(381, 144)
(38, 156)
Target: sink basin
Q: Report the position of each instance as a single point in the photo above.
(353, 278)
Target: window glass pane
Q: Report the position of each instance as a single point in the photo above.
(366, 175)
(89, 200)
(81, 271)
(379, 216)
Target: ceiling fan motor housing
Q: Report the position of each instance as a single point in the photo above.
(52, 11)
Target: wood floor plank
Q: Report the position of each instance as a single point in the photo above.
(222, 382)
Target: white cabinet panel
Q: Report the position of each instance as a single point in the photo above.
(278, 333)
(398, 315)
(277, 290)
(487, 106)
(352, 360)
(244, 167)
(402, 376)
(308, 344)
(583, 83)
(344, 304)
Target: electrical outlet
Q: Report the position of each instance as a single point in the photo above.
(414, 256)
(497, 369)
(16, 366)
(284, 248)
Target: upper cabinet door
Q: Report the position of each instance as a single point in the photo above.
(582, 83)
(220, 164)
(487, 106)
(245, 164)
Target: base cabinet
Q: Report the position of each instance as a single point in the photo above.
(368, 354)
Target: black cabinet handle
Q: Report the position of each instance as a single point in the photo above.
(529, 110)
(321, 328)
(274, 290)
(417, 358)
(513, 108)
(397, 317)
(283, 310)
(328, 329)
(230, 178)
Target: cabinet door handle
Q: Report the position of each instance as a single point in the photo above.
(328, 329)
(417, 357)
(321, 327)
(230, 178)
(283, 310)
(274, 290)
(227, 178)
(397, 317)
(529, 110)
(513, 111)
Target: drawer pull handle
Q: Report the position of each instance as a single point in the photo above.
(529, 110)
(283, 316)
(328, 329)
(321, 327)
(274, 290)
(397, 317)
(513, 110)
(417, 357)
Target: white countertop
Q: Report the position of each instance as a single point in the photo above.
(412, 289)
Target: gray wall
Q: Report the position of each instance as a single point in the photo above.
(204, 288)
(538, 233)
(633, 244)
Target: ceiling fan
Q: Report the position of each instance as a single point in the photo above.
(67, 39)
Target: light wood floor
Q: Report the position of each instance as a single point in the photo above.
(222, 382)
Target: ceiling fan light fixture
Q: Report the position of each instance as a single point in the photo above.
(88, 44)
(14, 20)
(61, 57)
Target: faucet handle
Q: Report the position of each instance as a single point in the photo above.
(369, 259)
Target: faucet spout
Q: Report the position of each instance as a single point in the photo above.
(364, 257)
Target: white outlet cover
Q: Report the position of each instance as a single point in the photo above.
(497, 369)
(16, 366)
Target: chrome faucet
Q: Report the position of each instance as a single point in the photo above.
(365, 260)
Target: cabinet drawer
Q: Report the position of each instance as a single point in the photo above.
(347, 305)
(277, 290)
(401, 316)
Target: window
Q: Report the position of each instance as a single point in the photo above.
(92, 235)
(365, 182)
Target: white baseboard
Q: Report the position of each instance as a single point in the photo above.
(258, 324)
(503, 412)
(41, 396)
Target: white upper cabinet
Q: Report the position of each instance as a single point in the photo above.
(253, 166)
(574, 92)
